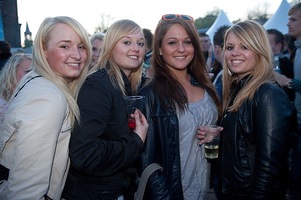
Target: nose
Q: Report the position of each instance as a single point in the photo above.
(181, 47)
(135, 47)
(236, 52)
(76, 54)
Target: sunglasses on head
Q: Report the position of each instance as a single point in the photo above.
(174, 16)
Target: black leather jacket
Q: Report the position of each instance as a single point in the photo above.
(163, 149)
(254, 144)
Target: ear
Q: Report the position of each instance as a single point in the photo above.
(160, 52)
(45, 52)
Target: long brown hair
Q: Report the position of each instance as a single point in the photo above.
(166, 85)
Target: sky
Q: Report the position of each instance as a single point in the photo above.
(146, 13)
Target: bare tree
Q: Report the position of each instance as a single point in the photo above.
(104, 23)
(259, 13)
(295, 2)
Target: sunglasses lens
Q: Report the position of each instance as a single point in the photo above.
(170, 16)
(187, 17)
(174, 16)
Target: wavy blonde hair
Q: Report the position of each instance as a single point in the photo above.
(254, 37)
(116, 32)
(8, 78)
(41, 66)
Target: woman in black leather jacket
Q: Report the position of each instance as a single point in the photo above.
(257, 116)
(180, 97)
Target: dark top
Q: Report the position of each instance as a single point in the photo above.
(102, 148)
(162, 146)
(254, 144)
(287, 69)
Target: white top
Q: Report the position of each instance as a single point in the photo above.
(34, 141)
(195, 168)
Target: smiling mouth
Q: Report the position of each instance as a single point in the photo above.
(73, 64)
(133, 57)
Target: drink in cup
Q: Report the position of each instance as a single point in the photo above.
(211, 141)
(132, 103)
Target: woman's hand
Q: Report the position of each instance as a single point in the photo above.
(141, 124)
(203, 129)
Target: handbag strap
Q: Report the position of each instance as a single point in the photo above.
(144, 177)
(25, 84)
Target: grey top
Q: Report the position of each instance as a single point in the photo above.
(194, 166)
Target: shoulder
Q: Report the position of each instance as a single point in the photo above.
(271, 93)
(147, 89)
(269, 88)
(39, 91)
(99, 81)
(100, 76)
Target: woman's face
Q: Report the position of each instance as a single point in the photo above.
(177, 49)
(96, 48)
(128, 53)
(65, 52)
(240, 60)
(23, 68)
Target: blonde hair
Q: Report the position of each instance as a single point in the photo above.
(97, 35)
(8, 78)
(116, 32)
(41, 66)
(254, 37)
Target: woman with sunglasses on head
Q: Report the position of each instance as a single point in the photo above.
(180, 97)
(103, 148)
(257, 118)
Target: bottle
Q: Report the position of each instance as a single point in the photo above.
(276, 64)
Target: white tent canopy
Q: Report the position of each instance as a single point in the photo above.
(280, 18)
(221, 20)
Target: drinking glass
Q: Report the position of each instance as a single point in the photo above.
(211, 141)
(132, 103)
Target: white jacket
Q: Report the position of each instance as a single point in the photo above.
(34, 139)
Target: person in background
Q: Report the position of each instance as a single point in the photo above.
(36, 128)
(147, 71)
(103, 149)
(5, 53)
(257, 118)
(285, 65)
(294, 30)
(180, 97)
(217, 66)
(96, 42)
(16, 67)
(207, 49)
(289, 45)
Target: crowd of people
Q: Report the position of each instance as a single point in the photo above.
(64, 130)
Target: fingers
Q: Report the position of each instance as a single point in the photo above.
(141, 124)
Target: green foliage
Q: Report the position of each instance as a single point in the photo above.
(206, 22)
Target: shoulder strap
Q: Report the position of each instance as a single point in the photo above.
(25, 84)
(143, 181)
